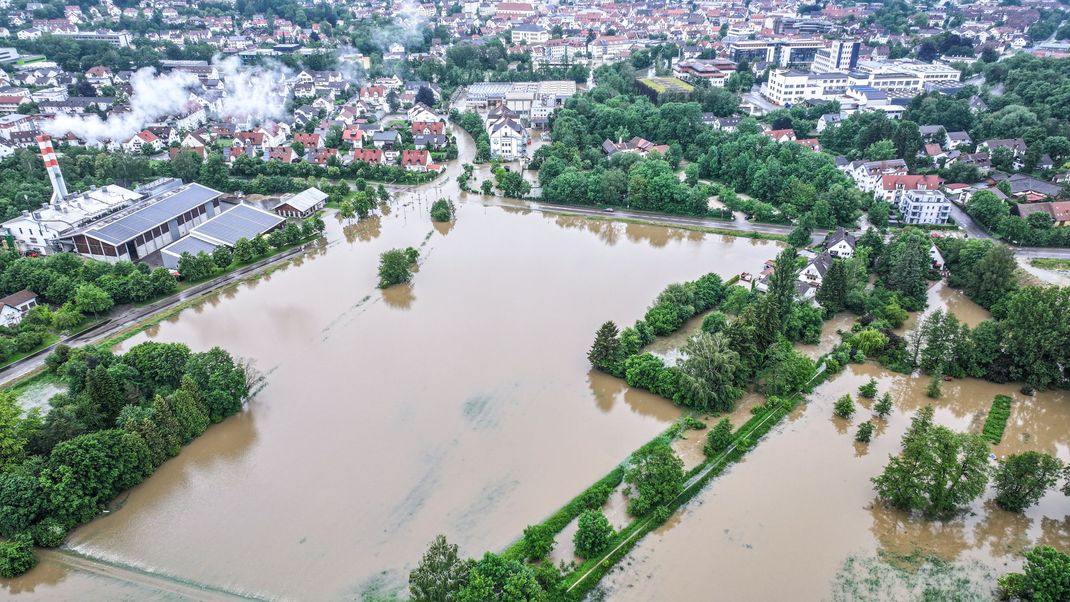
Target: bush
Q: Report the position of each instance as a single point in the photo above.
(595, 497)
(868, 390)
(714, 322)
(16, 556)
(844, 407)
(996, 422)
(441, 211)
(538, 541)
(594, 534)
(883, 407)
(48, 533)
(865, 432)
(719, 438)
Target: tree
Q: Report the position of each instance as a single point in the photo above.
(222, 257)
(1022, 479)
(869, 389)
(844, 407)
(394, 268)
(441, 211)
(214, 172)
(243, 251)
(938, 470)
(440, 575)
(222, 382)
(992, 278)
(89, 298)
(883, 407)
(719, 438)
(594, 534)
(710, 372)
(801, 235)
(495, 579)
(16, 556)
(426, 96)
(656, 475)
(298, 148)
(865, 432)
(832, 294)
(605, 352)
(1037, 334)
(538, 541)
(186, 166)
(1046, 577)
(987, 209)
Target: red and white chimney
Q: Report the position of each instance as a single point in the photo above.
(59, 187)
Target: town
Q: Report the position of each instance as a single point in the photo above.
(217, 218)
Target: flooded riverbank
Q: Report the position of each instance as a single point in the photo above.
(798, 517)
(461, 404)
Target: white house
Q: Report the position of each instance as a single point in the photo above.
(841, 244)
(14, 306)
(814, 272)
(508, 140)
(924, 207)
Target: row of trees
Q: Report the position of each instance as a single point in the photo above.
(119, 419)
(202, 266)
(994, 214)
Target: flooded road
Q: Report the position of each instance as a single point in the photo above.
(797, 518)
(460, 404)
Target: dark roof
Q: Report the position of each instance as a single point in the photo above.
(837, 236)
(16, 299)
(145, 216)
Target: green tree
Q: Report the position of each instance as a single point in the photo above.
(538, 541)
(710, 372)
(222, 382)
(883, 407)
(938, 470)
(89, 298)
(21, 500)
(593, 535)
(801, 235)
(1046, 577)
(243, 251)
(222, 257)
(16, 556)
(832, 294)
(719, 438)
(656, 476)
(394, 268)
(441, 574)
(1022, 479)
(992, 278)
(869, 389)
(495, 579)
(987, 209)
(605, 352)
(441, 211)
(844, 407)
(214, 173)
(186, 166)
(865, 432)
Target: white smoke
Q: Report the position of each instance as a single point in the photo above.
(153, 96)
(253, 94)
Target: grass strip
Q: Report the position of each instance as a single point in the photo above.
(1050, 263)
(996, 421)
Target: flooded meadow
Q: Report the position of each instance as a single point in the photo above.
(461, 403)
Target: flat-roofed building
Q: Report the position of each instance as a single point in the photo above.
(223, 230)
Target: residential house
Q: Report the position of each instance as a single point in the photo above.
(142, 139)
(302, 204)
(640, 146)
(367, 155)
(309, 141)
(815, 270)
(894, 185)
(508, 140)
(415, 160)
(14, 306)
(924, 207)
(867, 174)
(430, 141)
(840, 244)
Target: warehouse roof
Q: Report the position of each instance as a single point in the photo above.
(242, 221)
(145, 216)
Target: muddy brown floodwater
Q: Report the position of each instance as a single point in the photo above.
(461, 404)
(800, 507)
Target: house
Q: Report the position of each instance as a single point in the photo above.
(415, 160)
(430, 141)
(867, 174)
(815, 270)
(302, 204)
(1015, 145)
(840, 244)
(367, 155)
(14, 306)
(787, 135)
(640, 146)
(283, 154)
(954, 140)
(253, 140)
(427, 127)
(811, 143)
(1059, 211)
(387, 138)
(422, 112)
(1032, 189)
(508, 140)
(142, 139)
(309, 141)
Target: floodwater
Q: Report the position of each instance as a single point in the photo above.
(798, 519)
(460, 404)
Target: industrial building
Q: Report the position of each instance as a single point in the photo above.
(223, 230)
(302, 204)
(137, 231)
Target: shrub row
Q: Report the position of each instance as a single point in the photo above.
(996, 421)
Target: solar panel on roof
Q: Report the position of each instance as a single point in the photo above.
(243, 221)
(191, 245)
(154, 214)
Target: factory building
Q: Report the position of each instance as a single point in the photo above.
(223, 230)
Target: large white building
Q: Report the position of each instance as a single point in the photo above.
(842, 55)
(38, 231)
(924, 207)
(900, 78)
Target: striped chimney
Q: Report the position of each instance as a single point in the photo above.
(59, 187)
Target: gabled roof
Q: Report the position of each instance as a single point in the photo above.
(840, 235)
(305, 200)
(16, 299)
